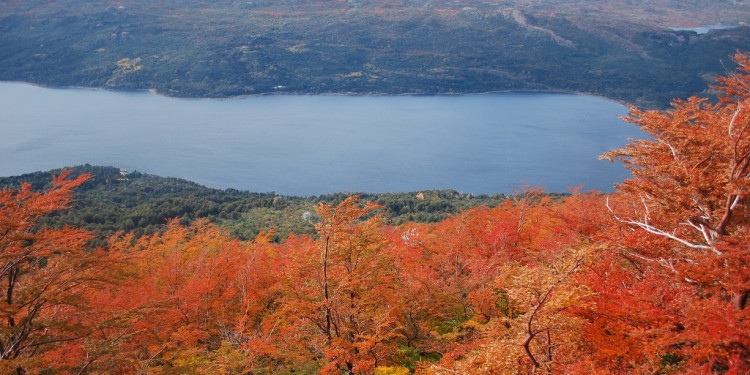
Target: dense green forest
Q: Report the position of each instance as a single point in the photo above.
(114, 200)
(200, 48)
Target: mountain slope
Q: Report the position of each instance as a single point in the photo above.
(623, 50)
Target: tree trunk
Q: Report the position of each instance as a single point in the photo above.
(739, 300)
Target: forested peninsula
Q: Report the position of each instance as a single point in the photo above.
(624, 51)
(114, 200)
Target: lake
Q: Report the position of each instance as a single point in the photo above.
(704, 29)
(309, 145)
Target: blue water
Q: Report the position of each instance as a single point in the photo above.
(704, 29)
(308, 145)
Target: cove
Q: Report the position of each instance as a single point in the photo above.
(309, 145)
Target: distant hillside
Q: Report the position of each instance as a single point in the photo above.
(197, 48)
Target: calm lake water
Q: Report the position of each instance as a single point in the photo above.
(704, 29)
(309, 145)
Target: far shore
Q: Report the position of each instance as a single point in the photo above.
(350, 93)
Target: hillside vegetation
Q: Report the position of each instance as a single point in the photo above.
(619, 49)
(651, 279)
(113, 200)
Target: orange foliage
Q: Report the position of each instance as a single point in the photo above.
(47, 276)
(341, 290)
(688, 199)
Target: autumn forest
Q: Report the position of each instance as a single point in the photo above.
(650, 279)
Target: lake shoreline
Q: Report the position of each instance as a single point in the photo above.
(353, 94)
